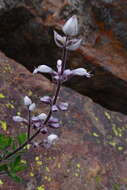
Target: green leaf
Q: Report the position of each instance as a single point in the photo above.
(20, 168)
(22, 138)
(14, 176)
(16, 165)
(3, 167)
(16, 162)
(116, 186)
(5, 141)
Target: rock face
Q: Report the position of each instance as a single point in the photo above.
(91, 151)
(26, 35)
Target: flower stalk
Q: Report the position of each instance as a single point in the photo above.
(43, 121)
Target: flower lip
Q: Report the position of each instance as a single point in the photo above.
(43, 69)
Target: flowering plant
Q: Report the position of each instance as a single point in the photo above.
(41, 123)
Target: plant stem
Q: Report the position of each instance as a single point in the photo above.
(23, 145)
(29, 124)
(50, 111)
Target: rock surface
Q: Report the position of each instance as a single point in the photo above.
(26, 35)
(91, 152)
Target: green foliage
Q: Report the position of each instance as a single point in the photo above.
(14, 164)
(5, 141)
(13, 167)
(22, 137)
(116, 186)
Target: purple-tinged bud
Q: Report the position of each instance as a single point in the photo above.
(63, 106)
(27, 101)
(19, 119)
(46, 99)
(44, 130)
(41, 116)
(59, 65)
(32, 106)
(53, 120)
(71, 28)
(54, 125)
(81, 72)
(74, 44)
(59, 40)
(35, 144)
(54, 108)
(36, 124)
(56, 77)
(43, 69)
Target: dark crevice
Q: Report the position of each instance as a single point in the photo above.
(24, 38)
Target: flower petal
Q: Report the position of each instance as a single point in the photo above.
(81, 72)
(43, 69)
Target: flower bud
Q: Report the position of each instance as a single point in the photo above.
(52, 138)
(59, 40)
(27, 101)
(63, 106)
(54, 108)
(42, 116)
(32, 106)
(74, 44)
(71, 28)
(19, 119)
(46, 99)
(59, 65)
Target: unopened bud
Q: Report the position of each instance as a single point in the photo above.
(71, 28)
(27, 101)
(32, 106)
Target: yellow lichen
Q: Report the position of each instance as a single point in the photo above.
(78, 166)
(41, 187)
(31, 174)
(37, 158)
(23, 161)
(59, 165)
(77, 174)
(1, 182)
(2, 95)
(47, 169)
(112, 143)
(48, 178)
(18, 113)
(9, 105)
(39, 163)
(120, 148)
(95, 134)
(107, 115)
(3, 125)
